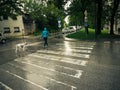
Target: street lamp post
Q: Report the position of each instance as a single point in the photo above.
(86, 22)
(59, 26)
(59, 23)
(34, 26)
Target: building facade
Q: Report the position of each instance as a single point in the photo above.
(12, 27)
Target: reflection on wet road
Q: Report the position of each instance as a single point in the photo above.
(59, 67)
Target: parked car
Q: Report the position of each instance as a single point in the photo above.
(65, 30)
(68, 29)
(72, 29)
(2, 38)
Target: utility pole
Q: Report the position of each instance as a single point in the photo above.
(86, 22)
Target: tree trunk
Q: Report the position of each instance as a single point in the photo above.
(111, 25)
(113, 12)
(115, 26)
(99, 16)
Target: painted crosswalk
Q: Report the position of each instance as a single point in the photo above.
(3, 86)
(59, 68)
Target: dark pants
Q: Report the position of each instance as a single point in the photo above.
(45, 41)
(86, 29)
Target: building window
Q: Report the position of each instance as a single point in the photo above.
(16, 29)
(6, 30)
(5, 17)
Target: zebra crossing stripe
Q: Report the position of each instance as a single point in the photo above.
(78, 47)
(63, 44)
(77, 75)
(59, 59)
(26, 80)
(65, 53)
(76, 50)
(6, 87)
(44, 68)
(59, 82)
(83, 48)
(77, 55)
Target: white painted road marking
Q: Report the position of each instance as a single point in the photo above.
(84, 48)
(59, 59)
(6, 87)
(64, 53)
(77, 75)
(53, 70)
(54, 56)
(72, 87)
(25, 80)
(76, 50)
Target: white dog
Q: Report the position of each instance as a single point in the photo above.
(21, 47)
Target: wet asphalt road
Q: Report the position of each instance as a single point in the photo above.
(64, 65)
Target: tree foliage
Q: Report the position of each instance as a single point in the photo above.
(114, 8)
(77, 9)
(46, 13)
(99, 12)
(11, 7)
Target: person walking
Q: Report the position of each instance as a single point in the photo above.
(45, 34)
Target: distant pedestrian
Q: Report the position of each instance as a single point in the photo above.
(45, 34)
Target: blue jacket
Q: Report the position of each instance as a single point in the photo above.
(45, 33)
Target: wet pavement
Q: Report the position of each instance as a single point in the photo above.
(103, 70)
(64, 65)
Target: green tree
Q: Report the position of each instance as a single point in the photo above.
(111, 11)
(11, 8)
(59, 4)
(95, 9)
(52, 14)
(58, 10)
(76, 12)
(99, 16)
(114, 8)
(44, 12)
(36, 11)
